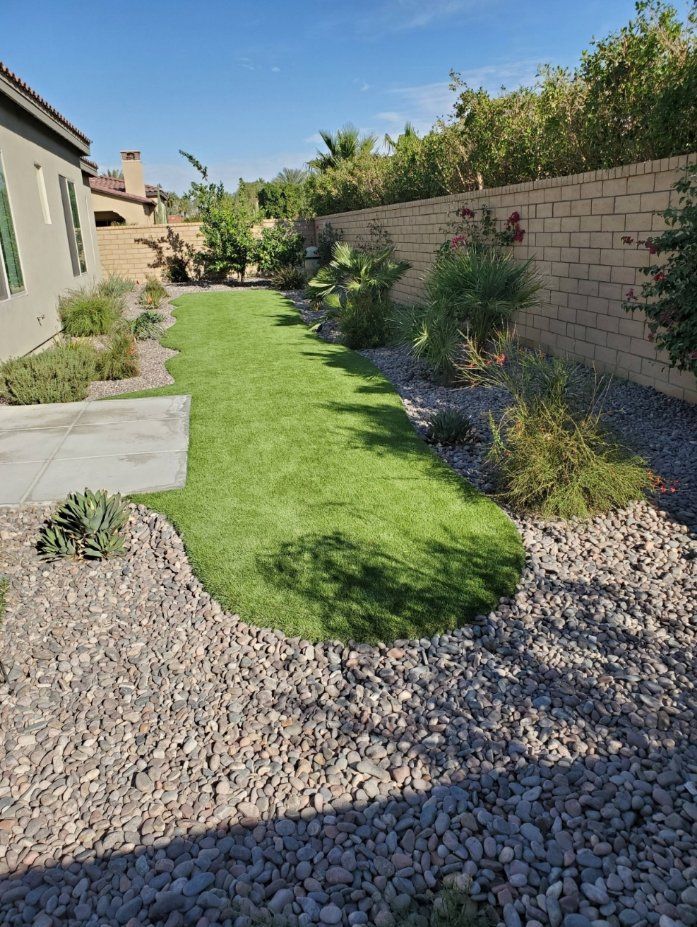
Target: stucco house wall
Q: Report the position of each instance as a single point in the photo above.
(131, 213)
(30, 319)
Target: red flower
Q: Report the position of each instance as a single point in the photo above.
(652, 249)
(457, 241)
(513, 218)
(627, 239)
(630, 294)
(659, 276)
(519, 234)
(467, 213)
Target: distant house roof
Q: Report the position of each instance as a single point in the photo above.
(116, 186)
(31, 100)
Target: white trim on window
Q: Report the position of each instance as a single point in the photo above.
(43, 196)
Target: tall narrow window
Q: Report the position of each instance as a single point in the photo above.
(11, 278)
(72, 224)
(43, 198)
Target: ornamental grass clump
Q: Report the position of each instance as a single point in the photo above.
(152, 294)
(87, 526)
(551, 453)
(360, 282)
(119, 360)
(89, 312)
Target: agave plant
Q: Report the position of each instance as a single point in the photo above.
(360, 281)
(87, 525)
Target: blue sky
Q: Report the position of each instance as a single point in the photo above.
(246, 84)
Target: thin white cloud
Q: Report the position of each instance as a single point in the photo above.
(246, 63)
(403, 15)
(275, 69)
(314, 139)
(423, 104)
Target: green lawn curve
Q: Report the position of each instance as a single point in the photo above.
(311, 504)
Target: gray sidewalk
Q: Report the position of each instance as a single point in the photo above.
(123, 445)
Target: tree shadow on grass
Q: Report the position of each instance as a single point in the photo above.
(385, 596)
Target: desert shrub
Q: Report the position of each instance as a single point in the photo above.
(177, 258)
(550, 452)
(361, 282)
(147, 325)
(279, 247)
(152, 294)
(119, 359)
(288, 278)
(86, 526)
(449, 426)
(327, 237)
(433, 335)
(669, 296)
(115, 286)
(89, 312)
(58, 374)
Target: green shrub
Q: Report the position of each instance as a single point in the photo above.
(550, 451)
(58, 374)
(147, 325)
(433, 335)
(327, 237)
(449, 426)
(669, 296)
(86, 526)
(89, 312)
(483, 287)
(119, 360)
(279, 247)
(152, 294)
(361, 281)
(288, 278)
(115, 286)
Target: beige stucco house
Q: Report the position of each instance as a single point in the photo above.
(47, 232)
(128, 199)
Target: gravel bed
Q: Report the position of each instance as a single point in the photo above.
(165, 763)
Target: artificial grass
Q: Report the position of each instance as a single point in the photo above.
(311, 504)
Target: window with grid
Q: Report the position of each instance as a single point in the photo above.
(11, 277)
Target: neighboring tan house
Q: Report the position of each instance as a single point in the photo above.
(128, 199)
(47, 234)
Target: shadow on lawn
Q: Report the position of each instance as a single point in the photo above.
(385, 596)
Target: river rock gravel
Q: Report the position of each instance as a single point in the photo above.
(165, 763)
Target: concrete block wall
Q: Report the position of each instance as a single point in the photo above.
(573, 231)
(123, 252)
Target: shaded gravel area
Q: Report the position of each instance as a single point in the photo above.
(167, 764)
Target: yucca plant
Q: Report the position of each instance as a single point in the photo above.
(449, 426)
(86, 526)
(361, 282)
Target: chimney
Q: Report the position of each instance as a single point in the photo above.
(133, 173)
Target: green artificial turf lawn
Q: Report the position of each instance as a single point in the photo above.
(311, 504)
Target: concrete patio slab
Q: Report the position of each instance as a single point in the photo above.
(123, 445)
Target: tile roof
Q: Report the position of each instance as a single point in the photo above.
(32, 95)
(117, 185)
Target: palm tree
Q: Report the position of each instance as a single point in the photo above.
(345, 144)
(408, 134)
(291, 175)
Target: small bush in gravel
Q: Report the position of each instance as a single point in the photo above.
(89, 312)
(88, 526)
(449, 426)
(119, 360)
(288, 278)
(550, 451)
(152, 294)
(147, 325)
(115, 286)
(58, 374)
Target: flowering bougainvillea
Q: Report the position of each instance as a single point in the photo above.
(668, 298)
(479, 228)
